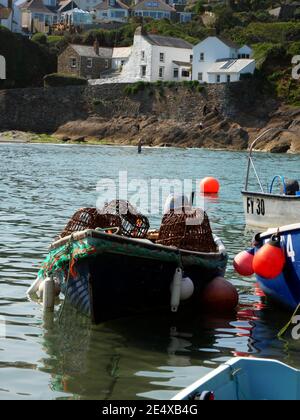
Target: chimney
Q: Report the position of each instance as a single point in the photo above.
(96, 47)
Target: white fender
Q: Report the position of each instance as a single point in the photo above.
(49, 294)
(176, 289)
(33, 289)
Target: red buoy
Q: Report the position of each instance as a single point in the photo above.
(270, 260)
(209, 185)
(243, 263)
(220, 296)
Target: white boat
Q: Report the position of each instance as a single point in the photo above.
(246, 379)
(264, 208)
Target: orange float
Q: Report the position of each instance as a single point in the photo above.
(209, 185)
(270, 260)
(243, 263)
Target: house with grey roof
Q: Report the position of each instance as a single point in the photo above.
(155, 9)
(156, 57)
(219, 60)
(85, 61)
(112, 10)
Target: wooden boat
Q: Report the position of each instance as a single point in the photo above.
(246, 379)
(264, 208)
(284, 289)
(112, 276)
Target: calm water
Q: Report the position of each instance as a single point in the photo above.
(148, 357)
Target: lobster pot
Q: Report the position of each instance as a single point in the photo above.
(90, 218)
(188, 230)
(133, 224)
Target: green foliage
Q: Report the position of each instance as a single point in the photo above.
(39, 38)
(59, 80)
(27, 61)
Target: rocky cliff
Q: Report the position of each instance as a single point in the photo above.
(217, 116)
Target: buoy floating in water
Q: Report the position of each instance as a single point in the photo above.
(243, 263)
(220, 296)
(270, 260)
(209, 185)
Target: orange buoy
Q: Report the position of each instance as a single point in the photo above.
(243, 263)
(209, 185)
(220, 296)
(269, 261)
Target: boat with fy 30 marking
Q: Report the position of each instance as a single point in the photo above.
(266, 208)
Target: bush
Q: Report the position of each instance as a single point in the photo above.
(57, 80)
(39, 38)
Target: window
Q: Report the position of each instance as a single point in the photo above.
(106, 64)
(176, 73)
(161, 72)
(218, 78)
(143, 71)
(202, 56)
(162, 57)
(228, 78)
(89, 63)
(73, 62)
(191, 58)
(143, 55)
(200, 77)
(185, 73)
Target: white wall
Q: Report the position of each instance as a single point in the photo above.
(132, 69)
(171, 54)
(116, 63)
(234, 77)
(246, 50)
(213, 50)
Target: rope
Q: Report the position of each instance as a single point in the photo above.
(70, 253)
(286, 327)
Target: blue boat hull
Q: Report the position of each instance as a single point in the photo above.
(285, 289)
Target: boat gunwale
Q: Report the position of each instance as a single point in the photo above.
(89, 233)
(273, 196)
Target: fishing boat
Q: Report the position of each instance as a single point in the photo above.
(106, 274)
(266, 208)
(285, 288)
(246, 379)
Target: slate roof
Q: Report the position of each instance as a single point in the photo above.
(35, 6)
(167, 41)
(153, 5)
(105, 5)
(228, 42)
(87, 51)
(182, 64)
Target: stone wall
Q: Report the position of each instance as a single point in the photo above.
(45, 110)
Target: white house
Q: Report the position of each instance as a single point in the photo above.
(155, 57)
(216, 60)
(155, 9)
(112, 10)
(37, 16)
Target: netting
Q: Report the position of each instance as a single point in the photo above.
(189, 229)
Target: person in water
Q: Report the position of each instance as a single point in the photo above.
(140, 147)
